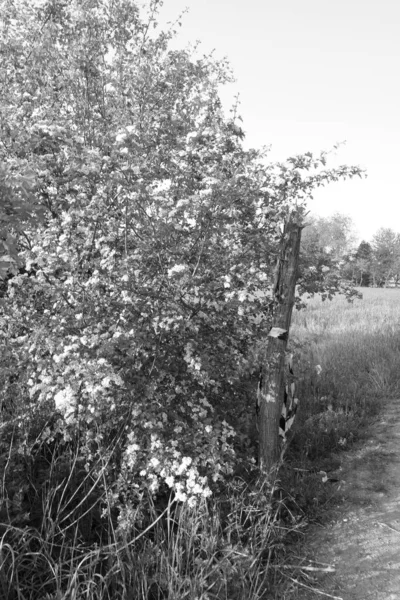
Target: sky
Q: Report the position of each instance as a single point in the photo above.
(310, 74)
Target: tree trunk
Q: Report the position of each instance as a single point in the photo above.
(272, 387)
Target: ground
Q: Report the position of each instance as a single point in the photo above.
(361, 539)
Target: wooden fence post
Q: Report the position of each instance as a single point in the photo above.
(272, 386)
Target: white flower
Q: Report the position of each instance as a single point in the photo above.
(162, 186)
(180, 495)
(117, 379)
(63, 399)
(206, 492)
(197, 489)
(176, 269)
(65, 403)
(120, 137)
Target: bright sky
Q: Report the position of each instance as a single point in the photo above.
(311, 73)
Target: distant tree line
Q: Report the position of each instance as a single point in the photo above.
(329, 244)
(376, 263)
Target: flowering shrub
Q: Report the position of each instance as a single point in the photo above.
(152, 295)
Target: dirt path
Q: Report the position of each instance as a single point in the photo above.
(362, 540)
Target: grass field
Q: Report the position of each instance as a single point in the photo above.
(347, 360)
(357, 346)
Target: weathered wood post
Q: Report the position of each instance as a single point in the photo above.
(271, 391)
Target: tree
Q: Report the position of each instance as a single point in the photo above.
(386, 257)
(154, 293)
(323, 260)
(363, 264)
(333, 235)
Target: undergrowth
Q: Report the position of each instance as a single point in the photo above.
(61, 538)
(218, 549)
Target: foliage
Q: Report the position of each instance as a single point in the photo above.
(376, 263)
(361, 269)
(131, 336)
(385, 264)
(364, 251)
(333, 235)
(328, 254)
(17, 208)
(141, 254)
(155, 261)
(322, 257)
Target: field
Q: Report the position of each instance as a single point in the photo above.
(357, 346)
(347, 359)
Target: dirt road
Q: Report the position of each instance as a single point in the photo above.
(362, 540)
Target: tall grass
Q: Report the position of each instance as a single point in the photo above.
(347, 363)
(216, 550)
(357, 347)
(230, 547)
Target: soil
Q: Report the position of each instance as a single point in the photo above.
(356, 554)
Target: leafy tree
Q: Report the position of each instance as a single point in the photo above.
(333, 235)
(362, 264)
(154, 291)
(364, 251)
(323, 260)
(386, 256)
